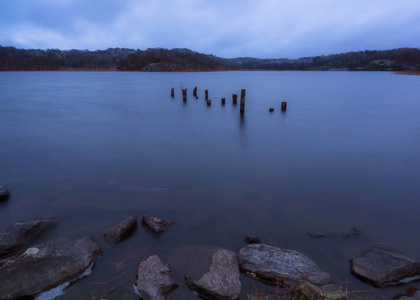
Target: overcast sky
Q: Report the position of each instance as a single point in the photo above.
(226, 28)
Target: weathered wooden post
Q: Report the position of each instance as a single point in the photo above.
(283, 106)
(184, 94)
(223, 101)
(172, 92)
(208, 102)
(195, 92)
(243, 101)
(235, 98)
(206, 94)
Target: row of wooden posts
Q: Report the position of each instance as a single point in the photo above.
(234, 99)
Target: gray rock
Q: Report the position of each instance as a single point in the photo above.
(154, 279)
(23, 233)
(156, 225)
(46, 266)
(4, 193)
(381, 264)
(214, 273)
(122, 230)
(271, 264)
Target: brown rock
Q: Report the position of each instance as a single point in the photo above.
(156, 225)
(122, 230)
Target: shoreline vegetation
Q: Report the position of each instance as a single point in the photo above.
(403, 60)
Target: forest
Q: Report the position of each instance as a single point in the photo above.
(159, 59)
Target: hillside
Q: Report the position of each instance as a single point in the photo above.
(159, 59)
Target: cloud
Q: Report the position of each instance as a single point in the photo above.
(268, 28)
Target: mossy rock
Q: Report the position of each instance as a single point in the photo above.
(306, 291)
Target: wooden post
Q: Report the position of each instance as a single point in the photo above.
(283, 106)
(184, 94)
(243, 101)
(208, 102)
(172, 92)
(206, 94)
(235, 98)
(223, 101)
(195, 92)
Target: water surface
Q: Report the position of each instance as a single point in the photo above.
(94, 147)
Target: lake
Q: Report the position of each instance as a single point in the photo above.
(94, 147)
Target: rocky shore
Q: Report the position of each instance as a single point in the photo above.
(28, 269)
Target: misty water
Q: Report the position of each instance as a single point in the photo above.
(95, 147)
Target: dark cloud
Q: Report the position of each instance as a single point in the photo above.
(269, 28)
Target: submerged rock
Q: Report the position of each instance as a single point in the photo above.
(272, 264)
(4, 193)
(156, 225)
(122, 230)
(23, 233)
(214, 273)
(412, 295)
(353, 232)
(333, 292)
(46, 266)
(381, 265)
(306, 291)
(154, 279)
(250, 239)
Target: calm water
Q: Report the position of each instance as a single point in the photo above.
(95, 147)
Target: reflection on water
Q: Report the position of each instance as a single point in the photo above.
(95, 147)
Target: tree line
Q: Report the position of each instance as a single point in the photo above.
(159, 59)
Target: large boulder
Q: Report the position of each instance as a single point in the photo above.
(122, 230)
(23, 233)
(4, 193)
(272, 264)
(214, 273)
(46, 266)
(381, 264)
(154, 279)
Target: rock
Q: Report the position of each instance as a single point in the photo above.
(271, 109)
(23, 233)
(46, 266)
(122, 230)
(333, 292)
(353, 232)
(303, 290)
(154, 279)
(214, 273)
(306, 291)
(381, 264)
(249, 239)
(156, 225)
(272, 264)
(413, 295)
(4, 193)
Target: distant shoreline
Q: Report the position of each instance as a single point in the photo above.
(185, 60)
